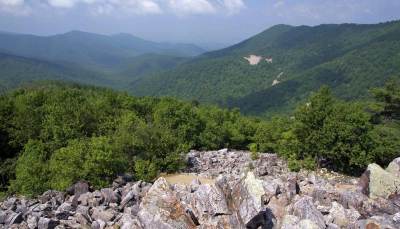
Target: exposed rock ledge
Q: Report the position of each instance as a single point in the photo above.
(245, 193)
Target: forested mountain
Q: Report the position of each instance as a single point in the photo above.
(284, 64)
(89, 49)
(16, 70)
(137, 67)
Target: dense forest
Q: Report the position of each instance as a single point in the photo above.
(349, 58)
(54, 134)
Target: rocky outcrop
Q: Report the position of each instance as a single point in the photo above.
(245, 193)
(377, 182)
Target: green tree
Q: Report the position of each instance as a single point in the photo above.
(31, 170)
(389, 99)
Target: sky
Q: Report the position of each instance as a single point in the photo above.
(191, 21)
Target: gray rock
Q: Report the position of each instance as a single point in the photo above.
(45, 223)
(102, 214)
(32, 222)
(304, 209)
(14, 218)
(110, 196)
(211, 200)
(129, 222)
(161, 209)
(82, 219)
(338, 214)
(98, 224)
(332, 226)
(194, 185)
(247, 195)
(65, 207)
(308, 224)
(9, 203)
(3, 217)
(62, 215)
(396, 217)
(290, 222)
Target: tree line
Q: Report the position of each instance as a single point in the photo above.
(54, 134)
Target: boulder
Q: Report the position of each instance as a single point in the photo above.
(246, 196)
(209, 200)
(394, 167)
(304, 209)
(377, 182)
(161, 209)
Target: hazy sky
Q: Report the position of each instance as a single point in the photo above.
(197, 21)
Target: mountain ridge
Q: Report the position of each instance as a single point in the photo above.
(295, 52)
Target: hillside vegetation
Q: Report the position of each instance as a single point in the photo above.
(53, 135)
(350, 58)
(17, 70)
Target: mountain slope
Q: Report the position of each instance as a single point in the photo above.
(136, 67)
(16, 70)
(350, 58)
(89, 49)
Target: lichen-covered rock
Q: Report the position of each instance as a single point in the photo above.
(161, 209)
(377, 182)
(394, 167)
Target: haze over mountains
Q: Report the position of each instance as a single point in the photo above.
(292, 61)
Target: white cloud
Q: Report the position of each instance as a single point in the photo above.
(233, 6)
(118, 7)
(108, 6)
(183, 7)
(16, 7)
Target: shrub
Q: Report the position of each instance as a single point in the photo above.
(93, 160)
(254, 155)
(145, 170)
